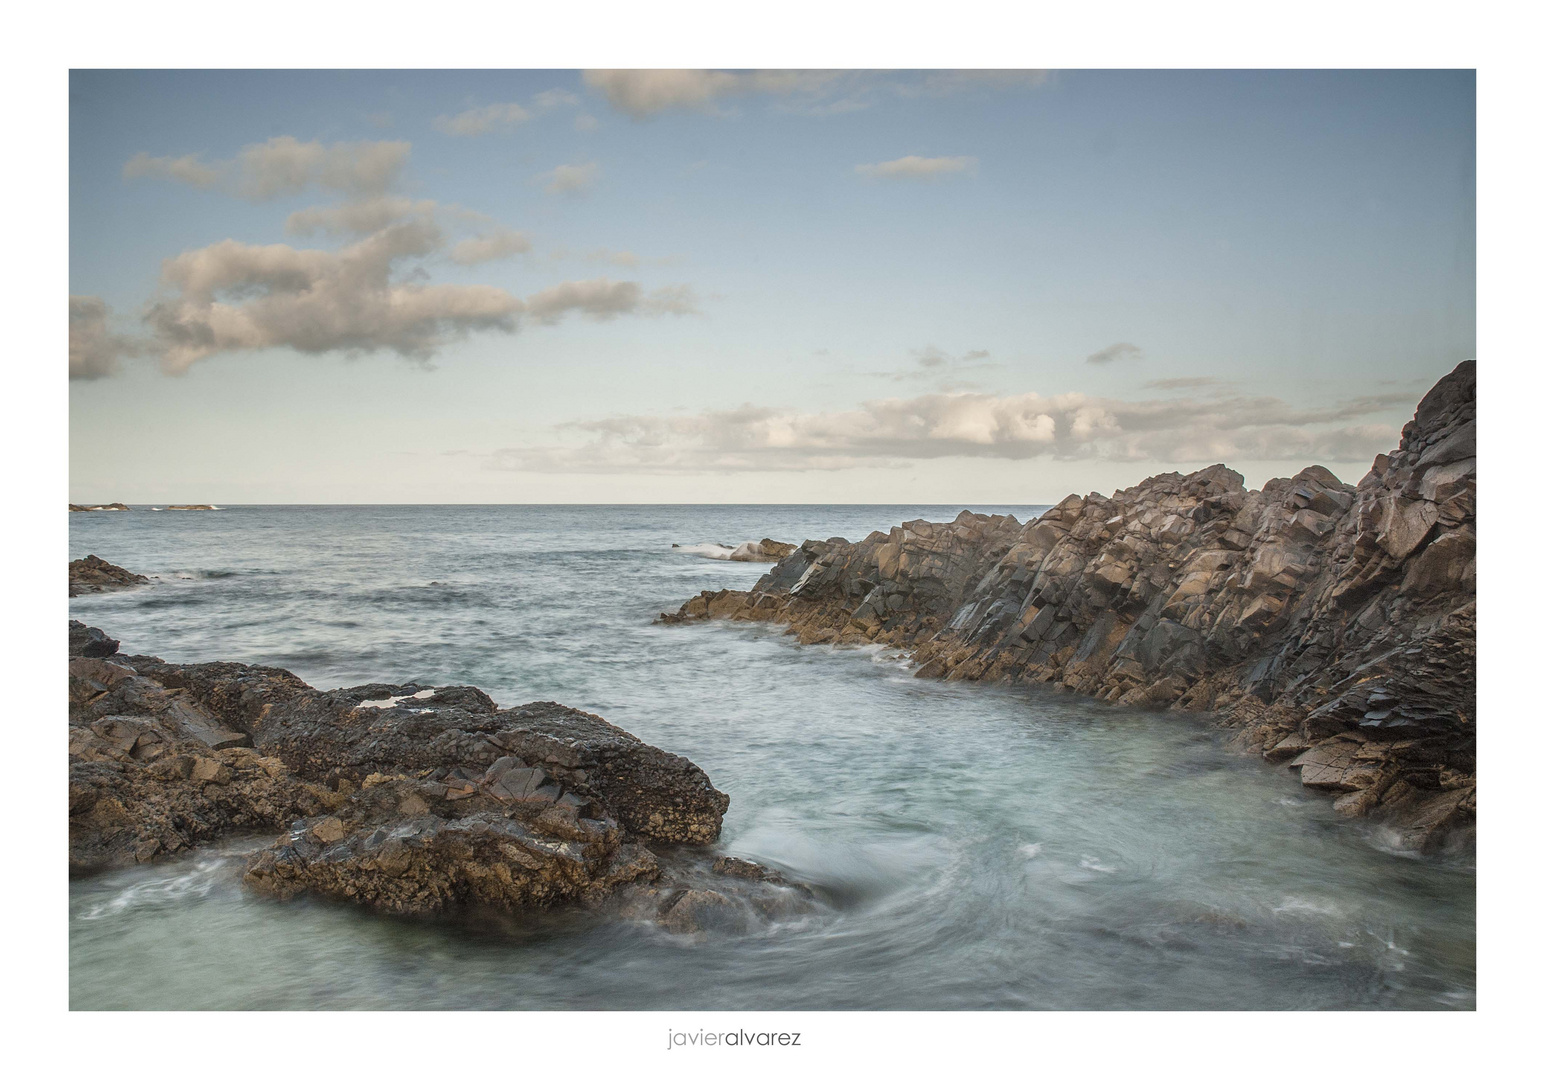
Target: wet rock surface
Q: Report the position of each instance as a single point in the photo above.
(94, 575)
(403, 798)
(1333, 625)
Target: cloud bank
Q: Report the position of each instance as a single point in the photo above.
(895, 431)
(643, 94)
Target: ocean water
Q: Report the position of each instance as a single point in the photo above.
(975, 847)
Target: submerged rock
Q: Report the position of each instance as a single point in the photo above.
(1332, 624)
(400, 798)
(94, 575)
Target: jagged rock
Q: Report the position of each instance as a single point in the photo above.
(89, 641)
(93, 575)
(402, 798)
(1350, 608)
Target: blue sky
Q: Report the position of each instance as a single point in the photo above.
(713, 286)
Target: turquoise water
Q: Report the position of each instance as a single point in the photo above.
(976, 847)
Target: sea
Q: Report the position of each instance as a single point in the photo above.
(974, 847)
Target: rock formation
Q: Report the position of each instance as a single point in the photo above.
(80, 507)
(407, 799)
(93, 575)
(763, 550)
(1333, 625)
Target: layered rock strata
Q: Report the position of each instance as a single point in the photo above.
(1332, 624)
(403, 798)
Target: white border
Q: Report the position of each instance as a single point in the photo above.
(45, 42)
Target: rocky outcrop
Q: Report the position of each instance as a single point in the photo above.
(1332, 624)
(193, 506)
(81, 507)
(89, 641)
(402, 798)
(94, 575)
(763, 550)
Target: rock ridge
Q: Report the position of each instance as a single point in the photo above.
(1333, 625)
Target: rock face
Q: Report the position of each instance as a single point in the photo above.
(93, 575)
(1333, 625)
(402, 798)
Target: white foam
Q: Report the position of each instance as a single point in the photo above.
(1089, 862)
(1029, 851)
(387, 703)
(722, 552)
(195, 881)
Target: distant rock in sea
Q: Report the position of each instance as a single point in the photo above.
(1333, 625)
(80, 507)
(200, 506)
(94, 575)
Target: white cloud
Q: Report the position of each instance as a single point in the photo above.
(913, 167)
(94, 349)
(482, 120)
(1122, 350)
(643, 94)
(571, 179)
(285, 166)
(500, 244)
(894, 431)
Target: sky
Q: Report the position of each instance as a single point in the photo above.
(715, 286)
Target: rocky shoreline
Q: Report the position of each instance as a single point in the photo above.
(407, 799)
(1331, 625)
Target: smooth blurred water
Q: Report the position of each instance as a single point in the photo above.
(979, 847)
